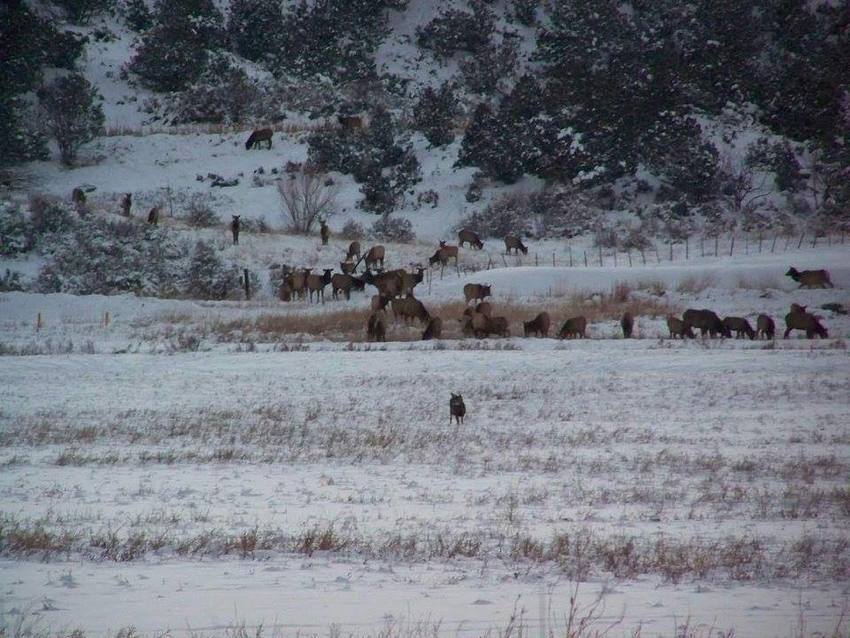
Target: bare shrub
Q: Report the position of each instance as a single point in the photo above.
(306, 197)
(199, 213)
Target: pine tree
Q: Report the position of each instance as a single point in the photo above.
(434, 114)
(207, 276)
(253, 27)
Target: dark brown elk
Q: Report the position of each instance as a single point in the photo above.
(804, 321)
(433, 330)
(707, 321)
(457, 409)
(153, 216)
(765, 327)
(379, 302)
(388, 283)
(316, 284)
(810, 278)
(350, 122)
(79, 199)
(343, 283)
(740, 327)
(409, 281)
(235, 224)
(627, 323)
(428, 197)
(126, 204)
(298, 282)
(475, 291)
(353, 251)
(679, 328)
(573, 327)
(324, 232)
(259, 136)
(376, 326)
(467, 236)
(409, 309)
(539, 326)
(374, 258)
(512, 242)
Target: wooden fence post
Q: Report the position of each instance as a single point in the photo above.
(643, 256)
(657, 258)
(585, 259)
(773, 245)
(746, 243)
(571, 252)
(814, 239)
(106, 319)
(39, 324)
(759, 243)
(800, 243)
(702, 246)
(732, 245)
(687, 249)
(615, 258)
(787, 243)
(629, 253)
(600, 255)
(535, 260)
(247, 283)
(716, 243)
(671, 250)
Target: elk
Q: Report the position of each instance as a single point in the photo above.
(376, 326)
(443, 254)
(428, 197)
(347, 267)
(410, 308)
(801, 320)
(298, 281)
(678, 328)
(457, 409)
(627, 323)
(126, 204)
(512, 242)
(740, 327)
(153, 216)
(409, 281)
(765, 326)
(707, 321)
(485, 308)
(573, 327)
(476, 291)
(258, 136)
(234, 228)
(387, 283)
(350, 122)
(379, 302)
(810, 278)
(433, 330)
(539, 326)
(79, 199)
(344, 283)
(469, 237)
(353, 251)
(317, 283)
(324, 232)
(373, 258)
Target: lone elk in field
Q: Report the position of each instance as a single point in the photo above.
(810, 278)
(235, 225)
(627, 323)
(258, 136)
(457, 408)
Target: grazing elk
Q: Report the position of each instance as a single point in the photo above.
(573, 327)
(374, 258)
(409, 281)
(344, 283)
(347, 267)
(765, 327)
(512, 242)
(153, 216)
(379, 302)
(707, 321)
(482, 326)
(428, 197)
(317, 283)
(350, 122)
(484, 308)
(235, 224)
(298, 282)
(409, 308)
(443, 254)
(324, 232)
(539, 326)
(353, 251)
(627, 323)
(259, 136)
(433, 330)
(126, 204)
(476, 291)
(387, 283)
(740, 327)
(457, 409)
(810, 278)
(679, 328)
(802, 320)
(467, 236)
(376, 326)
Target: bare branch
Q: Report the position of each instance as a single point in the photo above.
(306, 197)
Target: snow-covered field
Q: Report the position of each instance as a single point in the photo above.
(324, 486)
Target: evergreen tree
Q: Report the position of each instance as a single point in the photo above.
(71, 113)
(137, 15)
(207, 276)
(434, 114)
(253, 27)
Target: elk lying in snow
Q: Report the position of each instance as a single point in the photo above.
(235, 225)
(707, 321)
(409, 308)
(467, 236)
(765, 327)
(512, 242)
(810, 278)
(457, 409)
(573, 327)
(317, 283)
(678, 328)
(538, 326)
(376, 326)
(802, 320)
(433, 330)
(739, 326)
(476, 291)
(258, 136)
(627, 323)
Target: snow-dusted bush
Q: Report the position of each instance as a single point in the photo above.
(457, 30)
(252, 27)
(491, 67)
(199, 213)
(305, 198)
(137, 15)
(208, 277)
(71, 113)
(487, 144)
(394, 229)
(11, 281)
(352, 230)
(15, 235)
(621, 235)
(222, 93)
(49, 215)
(525, 11)
(81, 11)
(434, 114)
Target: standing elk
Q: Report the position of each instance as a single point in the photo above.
(78, 197)
(810, 278)
(347, 267)
(374, 258)
(468, 236)
(324, 232)
(353, 251)
(298, 282)
(740, 327)
(376, 326)
(802, 320)
(573, 327)
(409, 281)
(707, 321)
(627, 323)
(408, 309)
(235, 224)
(344, 283)
(457, 409)
(512, 242)
(153, 216)
(259, 136)
(126, 204)
(679, 328)
(765, 326)
(476, 291)
(388, 283)
(317, 283)
(379, 302)
(539, 326)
